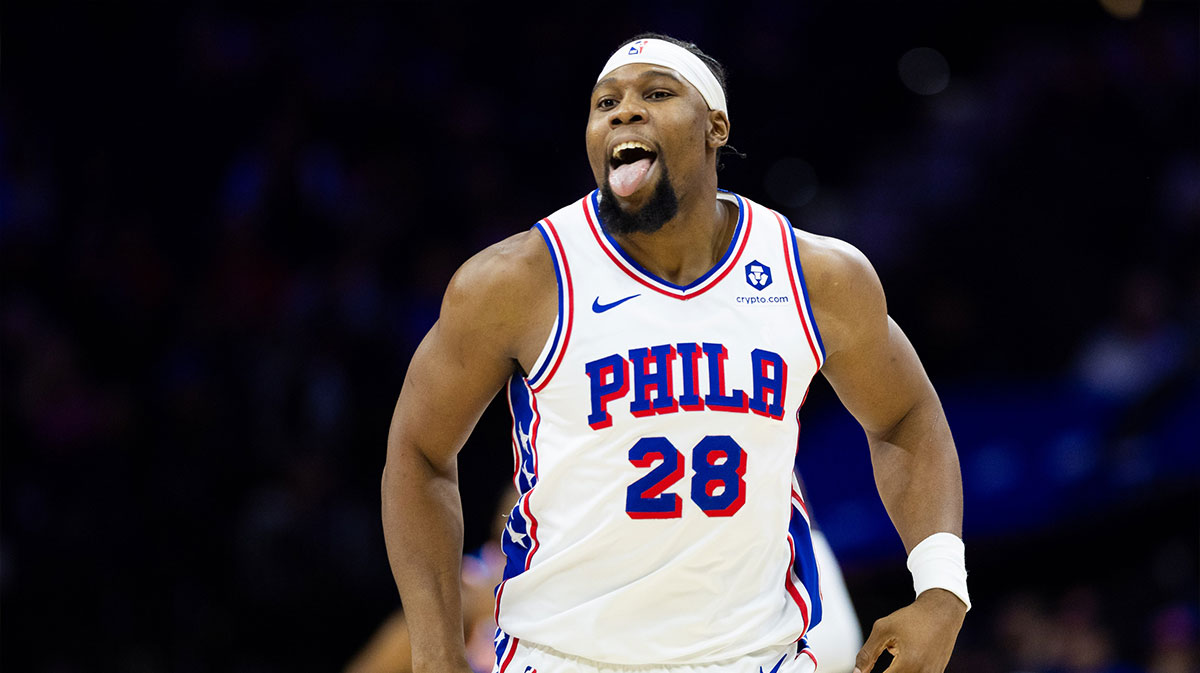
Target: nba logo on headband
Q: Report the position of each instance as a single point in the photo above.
(688, 65)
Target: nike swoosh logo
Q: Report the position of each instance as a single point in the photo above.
(597, 307)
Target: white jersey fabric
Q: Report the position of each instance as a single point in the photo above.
(659, 520)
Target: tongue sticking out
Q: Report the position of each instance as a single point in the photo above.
(626, 178)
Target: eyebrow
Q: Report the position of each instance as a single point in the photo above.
(645, 75)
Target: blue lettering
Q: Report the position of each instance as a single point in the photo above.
(610, 380)
(775, 383)
(716, 397)
(661, 380)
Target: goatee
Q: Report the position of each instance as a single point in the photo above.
(662, 206)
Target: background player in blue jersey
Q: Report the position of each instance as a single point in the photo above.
(664, 212)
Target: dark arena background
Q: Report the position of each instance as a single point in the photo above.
(224, 227)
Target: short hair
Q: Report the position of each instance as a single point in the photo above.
(714, 66)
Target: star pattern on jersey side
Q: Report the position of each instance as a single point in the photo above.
(517, 538)
(526, 445)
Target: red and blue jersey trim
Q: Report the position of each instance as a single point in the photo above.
(809, 652)
(566, 308)
(505, 647)
(799, 289)
(802, 582)
(520, 539)
(635, 271)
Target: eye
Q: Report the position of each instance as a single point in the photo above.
(660, 94)
(606, 103)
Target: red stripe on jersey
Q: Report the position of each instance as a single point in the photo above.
(515, 442)
(636, 275)
(791, 586)
(570, 291)
(512, 649)
(533, 524)
(800, 501)
(787, 255)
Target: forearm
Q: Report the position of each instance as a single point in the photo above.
(917, 473)
(423, 529)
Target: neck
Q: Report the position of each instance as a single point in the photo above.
(690, 243)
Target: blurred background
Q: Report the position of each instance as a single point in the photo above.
(224, 228)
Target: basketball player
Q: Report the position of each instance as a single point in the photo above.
(656, 339)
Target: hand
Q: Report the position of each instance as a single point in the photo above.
(920, 637)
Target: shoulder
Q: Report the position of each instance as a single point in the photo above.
(503, 275)
(517, 260)
(501, 293)
(843, 287)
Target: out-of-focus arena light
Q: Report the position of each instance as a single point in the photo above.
(791, 182)
(924, 71)
(1123, 9)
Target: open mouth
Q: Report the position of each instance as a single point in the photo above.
(629, 163)
(630, 152)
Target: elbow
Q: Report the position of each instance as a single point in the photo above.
(408, 466)
(398, 466)
(888, 433)
(921, 422)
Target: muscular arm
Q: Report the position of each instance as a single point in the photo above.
(915, 463)
(876, 373)
(492, 316)
(878, 376)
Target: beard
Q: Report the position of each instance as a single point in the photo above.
(662, 206)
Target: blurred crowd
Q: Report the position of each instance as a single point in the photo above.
(223, 232)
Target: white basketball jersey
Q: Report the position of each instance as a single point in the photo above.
(659, 520)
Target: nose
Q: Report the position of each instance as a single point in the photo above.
(630, 110)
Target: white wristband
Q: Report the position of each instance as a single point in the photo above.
(939, 562)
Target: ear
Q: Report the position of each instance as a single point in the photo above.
(718, 129)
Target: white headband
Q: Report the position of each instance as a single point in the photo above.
(684, 62)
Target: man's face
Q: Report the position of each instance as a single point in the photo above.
(647, 123)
